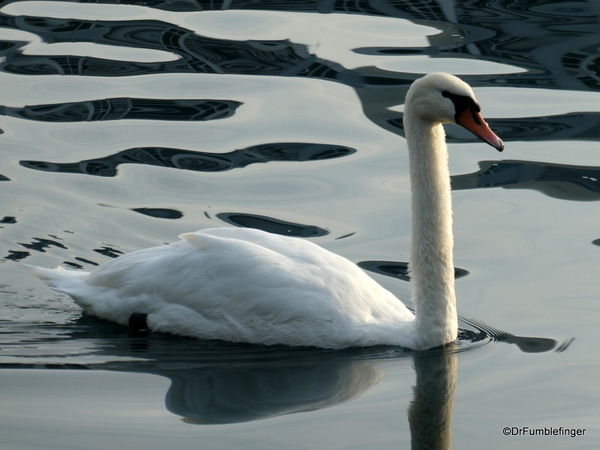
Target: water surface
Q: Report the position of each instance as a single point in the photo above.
(125, 124)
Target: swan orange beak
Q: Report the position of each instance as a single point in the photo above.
(472, 121)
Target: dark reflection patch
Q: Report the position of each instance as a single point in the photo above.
(397, 269)
(108, 251)
(562, 181)
(160, 213)
(127, 108)
(195, 160)
(272, 225)
(15, 255)
(583, 126)
(39, 244)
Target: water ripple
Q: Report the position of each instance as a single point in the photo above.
(126, 108)
(195, 160)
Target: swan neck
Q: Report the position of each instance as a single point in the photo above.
(431, 261)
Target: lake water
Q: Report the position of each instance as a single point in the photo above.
(125, 124)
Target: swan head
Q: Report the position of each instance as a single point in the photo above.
(443, 98)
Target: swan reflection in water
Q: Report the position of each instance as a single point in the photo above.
(271, 383)
(229, 394)
(214, 382)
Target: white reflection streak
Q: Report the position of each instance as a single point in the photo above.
(91, 50)
(66, 11)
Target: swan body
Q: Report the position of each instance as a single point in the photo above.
(245, 285)
(241, 285)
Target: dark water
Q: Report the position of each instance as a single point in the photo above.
(125, 124)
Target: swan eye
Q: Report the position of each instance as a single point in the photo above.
(476, 116)
(462, 103)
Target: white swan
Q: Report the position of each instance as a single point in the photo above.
(245, 285)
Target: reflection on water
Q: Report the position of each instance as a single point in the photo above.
(553, 37)
(397, 269)
(159, 213)
(216, 382)
(195, 53)
(272, 225)
(566, 182)
(197, 161)
(575, 183)
(532, 44)
(126, 108)
(219, 382)
(229, 395)
(581, 126)
(430, 411)
(565, 127)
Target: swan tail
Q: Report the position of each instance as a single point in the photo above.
(58, 279)
(92, 300)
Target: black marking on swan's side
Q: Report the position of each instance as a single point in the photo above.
(138, 323)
